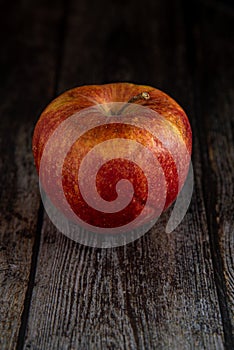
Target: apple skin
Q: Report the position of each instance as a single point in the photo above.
(80, 98)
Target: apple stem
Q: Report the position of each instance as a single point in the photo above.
(142, 96)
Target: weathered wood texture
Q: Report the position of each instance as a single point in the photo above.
(164, 291)
(29, 47)
(213, 35)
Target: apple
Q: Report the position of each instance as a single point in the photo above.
(105, 154)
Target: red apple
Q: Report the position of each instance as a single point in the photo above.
(130, 132)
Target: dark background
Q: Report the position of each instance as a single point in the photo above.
(164, 291)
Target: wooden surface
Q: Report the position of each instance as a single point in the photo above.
(164, 291)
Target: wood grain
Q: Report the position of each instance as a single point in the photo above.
(28, 62)
(214, 85)
(158, 292)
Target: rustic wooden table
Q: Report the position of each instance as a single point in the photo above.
(164, 291)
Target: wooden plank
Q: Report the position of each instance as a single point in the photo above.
(213, 37)
(28, 56)
(158, 292)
